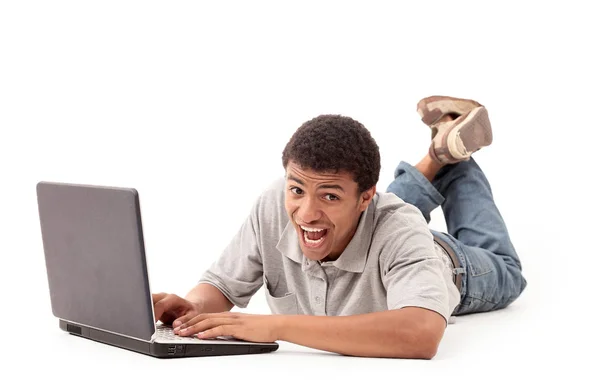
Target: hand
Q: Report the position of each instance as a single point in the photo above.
(169, 308)
(247, 327)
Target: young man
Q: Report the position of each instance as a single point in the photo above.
(349, 270)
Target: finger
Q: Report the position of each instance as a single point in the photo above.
(218, 331)
(182, 321)
(157, 297)
(159, 310)
(190, 320)
(164, 306)
(194, 319)
(205, 325)
(186, 319)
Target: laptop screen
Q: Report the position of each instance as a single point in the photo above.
(95, 258)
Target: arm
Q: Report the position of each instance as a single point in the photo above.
(173, 310)
(230, 281)
(209, 299)
(410, 332)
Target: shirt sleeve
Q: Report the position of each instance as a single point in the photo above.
(238, 272)
(412, 272)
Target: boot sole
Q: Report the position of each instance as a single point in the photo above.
(474, 132)
(432, 108)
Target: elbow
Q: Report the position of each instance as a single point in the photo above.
(427, 352)
(425, 348)
(414, 333)
(420, 344)
(428, 341)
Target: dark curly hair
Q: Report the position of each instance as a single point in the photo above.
(333, 143)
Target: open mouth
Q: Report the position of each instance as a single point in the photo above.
(313, 237)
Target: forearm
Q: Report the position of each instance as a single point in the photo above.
(209, 299)
(402, 333)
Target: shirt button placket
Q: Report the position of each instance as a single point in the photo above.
(319, 296)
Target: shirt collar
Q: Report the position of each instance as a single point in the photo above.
(353, 258)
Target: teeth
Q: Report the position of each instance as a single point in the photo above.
(313, 242)
(312, 230)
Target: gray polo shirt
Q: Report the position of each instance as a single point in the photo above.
(390, 263)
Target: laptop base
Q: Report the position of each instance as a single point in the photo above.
(162, 350)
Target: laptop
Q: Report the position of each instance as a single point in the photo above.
(97, 274)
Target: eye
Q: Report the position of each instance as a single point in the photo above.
(331, 197)
(296, 190)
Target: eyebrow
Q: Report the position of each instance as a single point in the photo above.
(322, 187)
(290, 177)
(332, 186)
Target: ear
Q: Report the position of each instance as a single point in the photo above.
(366, 197)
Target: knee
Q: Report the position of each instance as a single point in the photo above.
(520, 283)
(522, 288)
(514, 289)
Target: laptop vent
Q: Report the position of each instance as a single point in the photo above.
(73, 329)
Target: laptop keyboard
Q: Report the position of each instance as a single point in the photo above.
(165, 335)
(165, 332)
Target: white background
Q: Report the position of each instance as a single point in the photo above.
(192, 104)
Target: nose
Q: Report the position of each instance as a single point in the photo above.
(309, 211)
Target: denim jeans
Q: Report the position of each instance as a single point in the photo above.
(477, 234)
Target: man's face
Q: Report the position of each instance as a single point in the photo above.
(324, 208)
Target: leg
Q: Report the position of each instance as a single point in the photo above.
(477, 233)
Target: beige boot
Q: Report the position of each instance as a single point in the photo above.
(456, 140)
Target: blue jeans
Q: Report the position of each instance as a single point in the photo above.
(491, 270)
